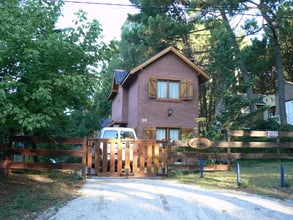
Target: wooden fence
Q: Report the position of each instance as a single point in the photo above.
(106, 157)
(240, 144)
(24, 152)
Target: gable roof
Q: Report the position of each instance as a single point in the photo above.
(203, 76)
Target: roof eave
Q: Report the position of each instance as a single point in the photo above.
(201, 74)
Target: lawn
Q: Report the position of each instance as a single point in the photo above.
(259, 177)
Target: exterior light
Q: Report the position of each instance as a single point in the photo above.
(169, 112)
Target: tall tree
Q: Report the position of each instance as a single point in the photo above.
(221, 67)
(45, 74)
(225, 11)
(259, 62)
(274, 12)
(157, 25)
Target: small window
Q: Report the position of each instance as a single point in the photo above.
(161, 134)
(168, 133)
(174, 134)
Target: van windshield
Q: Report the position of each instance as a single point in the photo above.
(110, 134)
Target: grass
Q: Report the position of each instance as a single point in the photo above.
(25, 196)
(258, 177)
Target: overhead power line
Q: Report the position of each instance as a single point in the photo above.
(101, 3)
(153, 6)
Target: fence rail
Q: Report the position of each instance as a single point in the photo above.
(27, 146)
(240, 144)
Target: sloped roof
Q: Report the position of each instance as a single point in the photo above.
(203, 76)
(118, 77)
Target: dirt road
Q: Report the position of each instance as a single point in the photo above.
(152, 199)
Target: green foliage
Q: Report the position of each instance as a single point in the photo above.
(232, 115)
(158, 25)
(266, 125)
(48, 76)
(287, 127)
(259, 62)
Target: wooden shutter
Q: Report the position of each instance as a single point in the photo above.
(187, 133)
(186, 90)
(149, 133)
(152, 88)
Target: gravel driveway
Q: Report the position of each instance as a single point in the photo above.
(117, 198)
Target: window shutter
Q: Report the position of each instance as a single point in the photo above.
(187, 133)
(152, 88)
(149, 133)
(186, 90)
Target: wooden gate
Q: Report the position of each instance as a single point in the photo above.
(114, 157)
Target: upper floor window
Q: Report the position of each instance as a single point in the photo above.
(170, 89)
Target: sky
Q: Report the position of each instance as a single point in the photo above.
(110, 13)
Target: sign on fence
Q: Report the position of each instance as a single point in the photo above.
(272, 134)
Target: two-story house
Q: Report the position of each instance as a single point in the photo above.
(159, 98)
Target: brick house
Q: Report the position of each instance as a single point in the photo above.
(159, 98)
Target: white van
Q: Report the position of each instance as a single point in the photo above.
(117, 133)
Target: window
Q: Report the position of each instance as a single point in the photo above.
(111, 134)
(174, 134)
(170, 89)
(167, 133)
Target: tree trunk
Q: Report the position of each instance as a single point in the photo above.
(277, 50)
(281, 82)
(239, 59)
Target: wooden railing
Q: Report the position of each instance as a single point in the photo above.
(22, 147)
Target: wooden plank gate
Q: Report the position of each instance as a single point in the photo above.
(139, 158)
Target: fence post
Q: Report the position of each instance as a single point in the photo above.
(282, 170)
(84, 158)
(169, 146)
(238, 174)
(227, 138)
(7, 158)
(201, 164)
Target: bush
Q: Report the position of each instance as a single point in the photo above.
(264, 125)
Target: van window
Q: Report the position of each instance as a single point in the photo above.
(127, 135)
(117, 133)
(110, 134)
